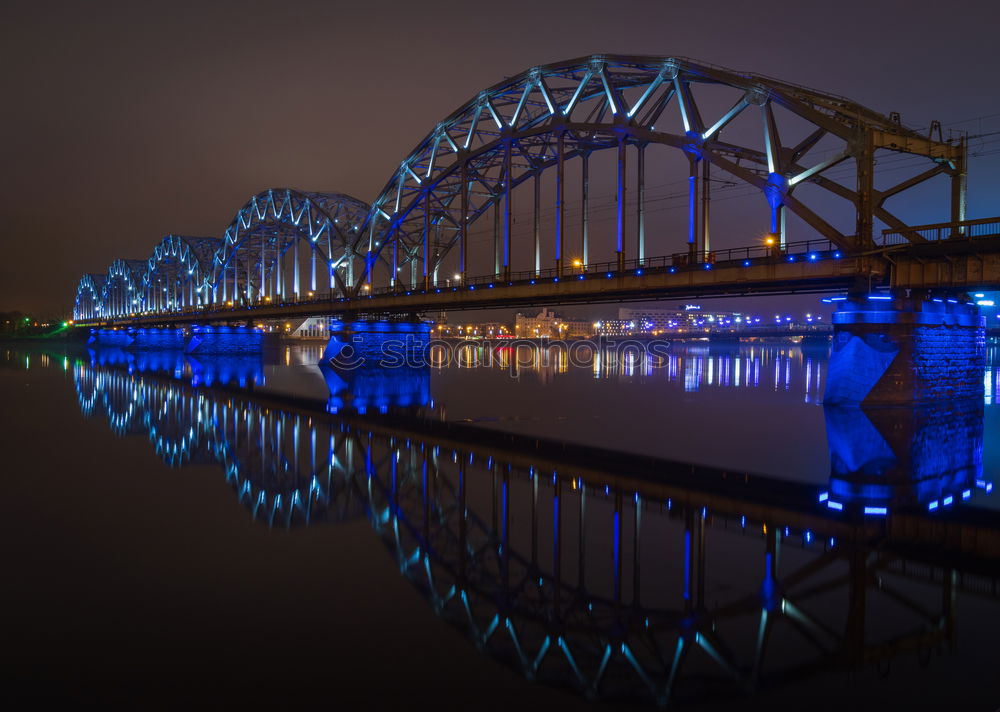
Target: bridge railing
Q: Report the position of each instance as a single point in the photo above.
(801, 251)
(961, 230)
(745, 256)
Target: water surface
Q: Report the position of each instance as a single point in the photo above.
(185, 532)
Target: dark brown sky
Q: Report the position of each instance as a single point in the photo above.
(124, 121)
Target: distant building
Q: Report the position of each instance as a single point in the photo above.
(549, 325)
(691, 317)
(312, 328)
(483, 330)
(541, 326)
(614, 327)
(578, 329)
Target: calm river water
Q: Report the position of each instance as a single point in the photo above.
(526, 530)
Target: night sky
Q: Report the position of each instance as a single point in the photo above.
(125, 121)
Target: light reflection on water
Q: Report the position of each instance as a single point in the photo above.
(693, 366)
(608, 573)
(581, 574)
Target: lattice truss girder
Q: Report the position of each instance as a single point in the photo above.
(511, 131)
(524, 126)
(272, 226)
(122, 290)
(178, 272)
(88, 303)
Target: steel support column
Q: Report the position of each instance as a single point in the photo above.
(463, 252)
(560, 201)
(537, 180)
(507, 207)
(692, 205)
(585, 209)
(706, 195)
(394, 269)
(496, 235)
(620, 222)
(958, 189)
(427, 240)
(296, 282)
(641, 203)
(866, 190)
(312, 280)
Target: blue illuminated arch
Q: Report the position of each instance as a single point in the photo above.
(253, 262)
(178, 273)
(89, 293)
(122, 291)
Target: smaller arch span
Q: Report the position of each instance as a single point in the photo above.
(284, 242)
(178, 273)
(122, 292)
(89, 293)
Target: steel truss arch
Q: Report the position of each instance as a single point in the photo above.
(539, 119)
(89, 293)
(122, 292)
(531, 126)
(178, 273)
(250, 264)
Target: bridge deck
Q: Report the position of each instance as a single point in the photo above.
(953, 264)
(824, 272)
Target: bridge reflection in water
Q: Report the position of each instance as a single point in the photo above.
(694, 366)
(615, 574)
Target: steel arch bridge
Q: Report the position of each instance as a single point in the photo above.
(518, 143)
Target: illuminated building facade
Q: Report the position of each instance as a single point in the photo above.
(549, 325)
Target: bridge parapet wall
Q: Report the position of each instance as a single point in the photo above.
(120, 338)
(225, 340)
(376, 344)
(905, 351)
(155, 339)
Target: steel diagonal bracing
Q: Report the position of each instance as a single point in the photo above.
(178, 273)
(89, 297)
(506, 135)
(319, 234)
(490, 156)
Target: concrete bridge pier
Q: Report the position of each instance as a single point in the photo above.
(119, 338)
(225, 340)
(156, 339)
(905, 350)
(144, 338)
(376, 344)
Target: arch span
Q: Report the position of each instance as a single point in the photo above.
(89, 293)
(178, 273)
(282, 238)
(549, 116)
(523, 141)
(122, 292)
